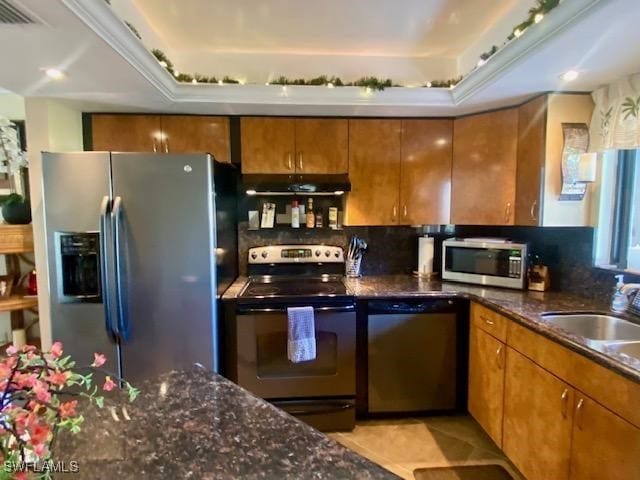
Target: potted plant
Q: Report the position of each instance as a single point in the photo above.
(38, 397)
(15, 208)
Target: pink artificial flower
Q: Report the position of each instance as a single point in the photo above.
(40, 449)
(98, 360)
(68, 409)
(58, 378)
(24, 380)
(108, 384)
(12, 350)
(41, 389)
(39, 434)
(56, 350)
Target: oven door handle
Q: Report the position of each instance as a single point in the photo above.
(343, 308)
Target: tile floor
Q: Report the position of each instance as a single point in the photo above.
(402, 445)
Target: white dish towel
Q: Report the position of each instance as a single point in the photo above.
(301, 344)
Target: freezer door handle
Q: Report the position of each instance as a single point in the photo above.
(120, 273)
(105, 270)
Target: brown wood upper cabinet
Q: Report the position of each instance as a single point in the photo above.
(400, 172)
(532, 125)
(374, 172)
(300, 145)
(162, 134)
(484, 168)
(425, 179)
(126, 133)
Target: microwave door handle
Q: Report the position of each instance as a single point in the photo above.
(120, 273)
(105, 270)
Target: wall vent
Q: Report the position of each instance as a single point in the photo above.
(12, 15)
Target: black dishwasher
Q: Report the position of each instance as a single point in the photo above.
(416, 355)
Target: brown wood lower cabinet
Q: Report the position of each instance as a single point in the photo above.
(486, 381)
(604, 445)
(537, 410)
(537, 420)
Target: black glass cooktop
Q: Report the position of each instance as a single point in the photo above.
(273, 287)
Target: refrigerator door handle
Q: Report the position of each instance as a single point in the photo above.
(105, 270)
(120, 273)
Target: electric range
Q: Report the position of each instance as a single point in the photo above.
(320, 392)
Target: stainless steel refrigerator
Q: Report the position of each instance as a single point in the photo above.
(140, 247)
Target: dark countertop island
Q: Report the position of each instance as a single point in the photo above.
(198, 425)
(524, 307)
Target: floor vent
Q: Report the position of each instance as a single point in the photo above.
(12, 15)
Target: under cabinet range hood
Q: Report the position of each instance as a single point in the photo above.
(291, 184)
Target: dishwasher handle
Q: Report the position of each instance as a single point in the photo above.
(439, 305)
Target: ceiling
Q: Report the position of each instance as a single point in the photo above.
(411, 41)
(354, 27)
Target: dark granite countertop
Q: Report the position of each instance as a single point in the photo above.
(524, 307)
(198, 425)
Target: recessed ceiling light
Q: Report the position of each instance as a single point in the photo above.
(481, 62)
(569, 75)
(54, 73)
(538, 18)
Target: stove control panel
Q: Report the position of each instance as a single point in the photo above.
(296, 254)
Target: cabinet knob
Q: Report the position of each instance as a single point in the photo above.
(579, 409)
(300, 167)
(166, 145)
(404, 210)
(564, 399)
(507, 213)
(500, 357)
(533, 210)
(155, 148)
(395, 212)
(289, 161)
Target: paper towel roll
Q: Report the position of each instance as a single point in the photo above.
(425, 255)
(19, 337)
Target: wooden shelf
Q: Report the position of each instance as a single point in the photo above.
(16, 239)
(17, 302)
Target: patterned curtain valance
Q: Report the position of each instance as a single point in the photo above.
(616, 117)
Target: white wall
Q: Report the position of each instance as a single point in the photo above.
(11, 106)
(565, 108)
(52, 126)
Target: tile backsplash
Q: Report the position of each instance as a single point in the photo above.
(394, 250)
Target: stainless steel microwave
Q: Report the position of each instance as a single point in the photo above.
(485, 261)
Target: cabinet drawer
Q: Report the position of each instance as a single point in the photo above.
(489, 321)
(615, 392)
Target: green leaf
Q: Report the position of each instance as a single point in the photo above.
(99, 401)
(132, 391)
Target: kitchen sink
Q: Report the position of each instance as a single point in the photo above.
(596, 328)
(631, 349)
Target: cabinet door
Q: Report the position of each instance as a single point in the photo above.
(425, 183)
(189, 134)
(486, 382)
(536, 433)
(322, 145)
(532, 125)
(126, 133)
(604, 445)
(374, 172)
(484, 168)
(268, 144)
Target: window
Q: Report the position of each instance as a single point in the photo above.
(618, 236)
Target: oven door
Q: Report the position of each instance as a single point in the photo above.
(263, 366)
